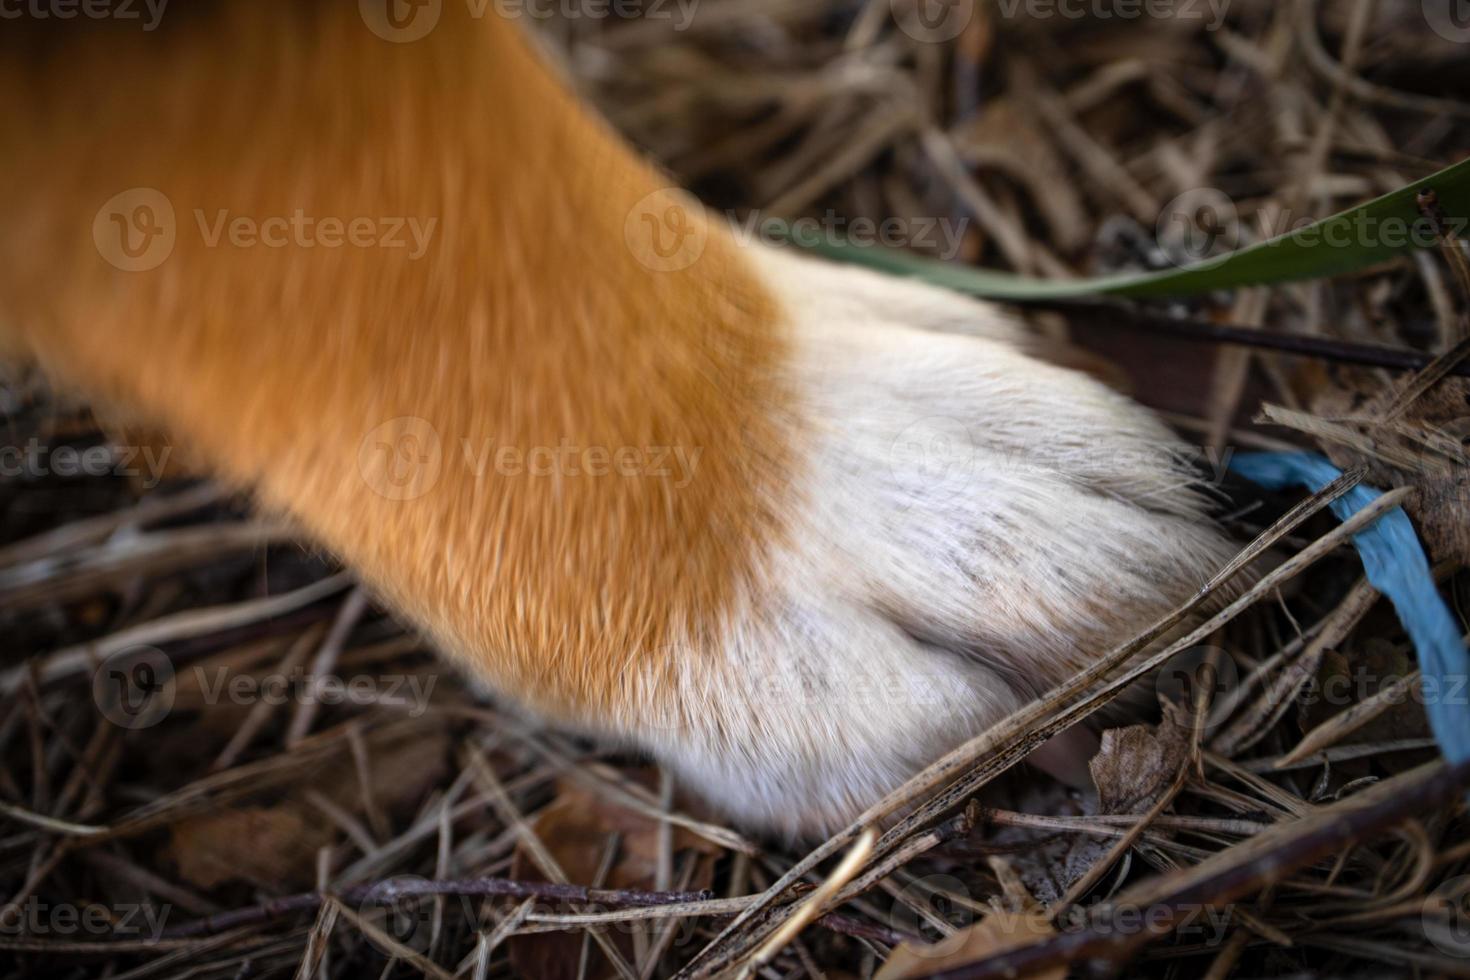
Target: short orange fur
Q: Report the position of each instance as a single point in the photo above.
(527, 321)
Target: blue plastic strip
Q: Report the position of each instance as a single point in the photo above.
(1395, 564)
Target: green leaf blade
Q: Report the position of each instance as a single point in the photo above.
(1352, 240)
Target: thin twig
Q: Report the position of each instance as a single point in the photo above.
(1085, 315)
(396, 888)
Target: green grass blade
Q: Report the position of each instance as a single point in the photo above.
(1346, 242)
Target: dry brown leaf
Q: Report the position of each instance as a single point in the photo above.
(275, 847)
(1351, 676)
(402, 773)
(271, 848)
(998, 932)
(1441, 417)
(576, 829)
(1135, 765)
(1048, 863)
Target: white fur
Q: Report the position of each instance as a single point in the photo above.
(919, 602)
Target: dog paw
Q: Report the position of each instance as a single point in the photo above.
(967, 527)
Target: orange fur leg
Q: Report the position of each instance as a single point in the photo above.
(753, 513)
(379, 395)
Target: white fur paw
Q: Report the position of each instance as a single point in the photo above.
(970, 527)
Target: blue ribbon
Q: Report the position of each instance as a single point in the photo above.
(1396, 566)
